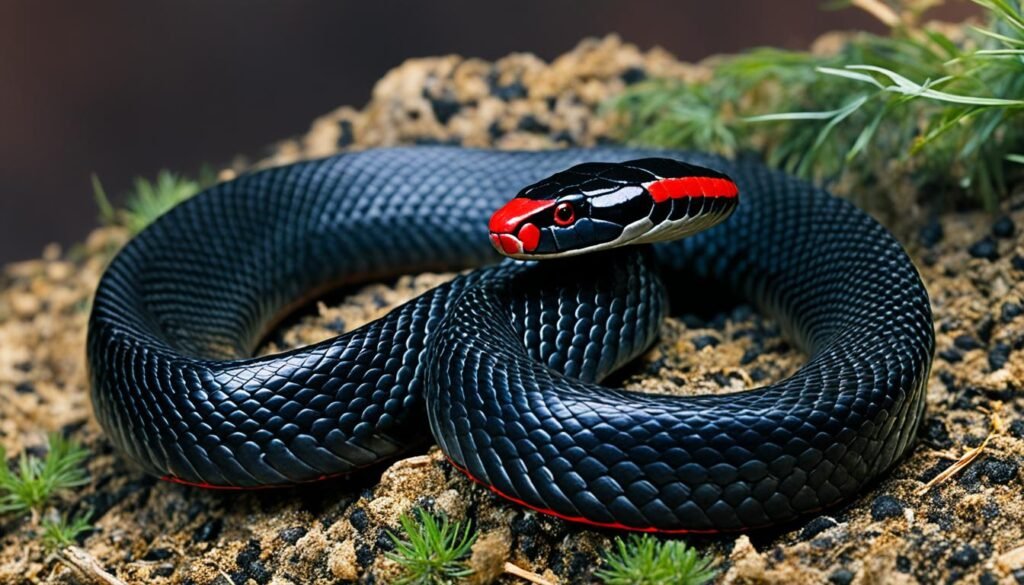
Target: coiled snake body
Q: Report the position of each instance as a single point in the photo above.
(506, 360)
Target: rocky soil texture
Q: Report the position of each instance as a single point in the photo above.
(969, 528)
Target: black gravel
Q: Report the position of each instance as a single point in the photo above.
(951, 355)
(292, 534)
(208, 531)
(1010, 311)
(444, 109)
(965, 556)
(530, 123)
(250, 566)
(967, 342)
(985, 248)
(359, 519)
(935, 433)
(633, 75)
(1003, 227)
(999, 471)
(998, 356)
(931, 233)
(1017, 262)
(816, 526)
(886, 507)
(841, 577)
(703, 341)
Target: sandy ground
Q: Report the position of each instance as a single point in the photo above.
(969, 528)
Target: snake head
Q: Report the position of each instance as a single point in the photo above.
(597, 206)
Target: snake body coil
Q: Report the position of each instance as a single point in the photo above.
(506, 360)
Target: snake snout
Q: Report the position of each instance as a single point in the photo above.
(511, 232)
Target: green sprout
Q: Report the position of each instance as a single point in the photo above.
(945, 108)
(35, 481)
(645, 560)
(62, 532)
(433, 551)
(148, 200)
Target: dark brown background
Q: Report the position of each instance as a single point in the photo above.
(124, 88)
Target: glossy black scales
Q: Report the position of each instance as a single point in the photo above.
(505, 359)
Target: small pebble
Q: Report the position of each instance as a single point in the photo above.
(816, 526)
(1017, 262)
(633, 75)
(936, 434)
(1003, 227)
(984, 248)
(1010, 311)
(703, 341)
(749, 355)
(1017, 428)
(359, 519)
(158, 554)
(951, 355)
(292, 534)
(25, 388)
(384, 541)
(444, 109)
(998, 356)
(966, 342)
(495, 131)
(990, 511)
(208, 530)
(248, 560)
(886, 507)
(931, 233)
(985, 327)
(999, 471)
(841, 577)
(513, 91)
(965, 556)
(364, 555)
(530, 123)
(565, 137)
(346, 134)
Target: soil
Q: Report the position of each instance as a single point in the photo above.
(969, 528)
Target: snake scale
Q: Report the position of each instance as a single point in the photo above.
(505, 361)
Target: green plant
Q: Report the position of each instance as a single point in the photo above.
(149, 199)
(645, 560)
(62, 532)
(35, 481)
(433, 551)
(940, 107)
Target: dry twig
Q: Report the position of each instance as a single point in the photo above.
(968, 456)
(527, 575)
(86, 564)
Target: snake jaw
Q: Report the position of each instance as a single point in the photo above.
(511, 234)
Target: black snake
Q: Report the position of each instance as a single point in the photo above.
(505, 360)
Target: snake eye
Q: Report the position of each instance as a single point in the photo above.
(564, 214)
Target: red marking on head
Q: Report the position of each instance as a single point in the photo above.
(529, 235)
(508, 218)
(675, 188)
(506, 243)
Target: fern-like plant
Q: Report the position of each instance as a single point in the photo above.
(62, 532)
(432, 551)
(148, 200)
(35, 481)
(946, 105)
(645, 560)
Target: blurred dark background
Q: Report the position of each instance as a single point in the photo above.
(124, 88)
